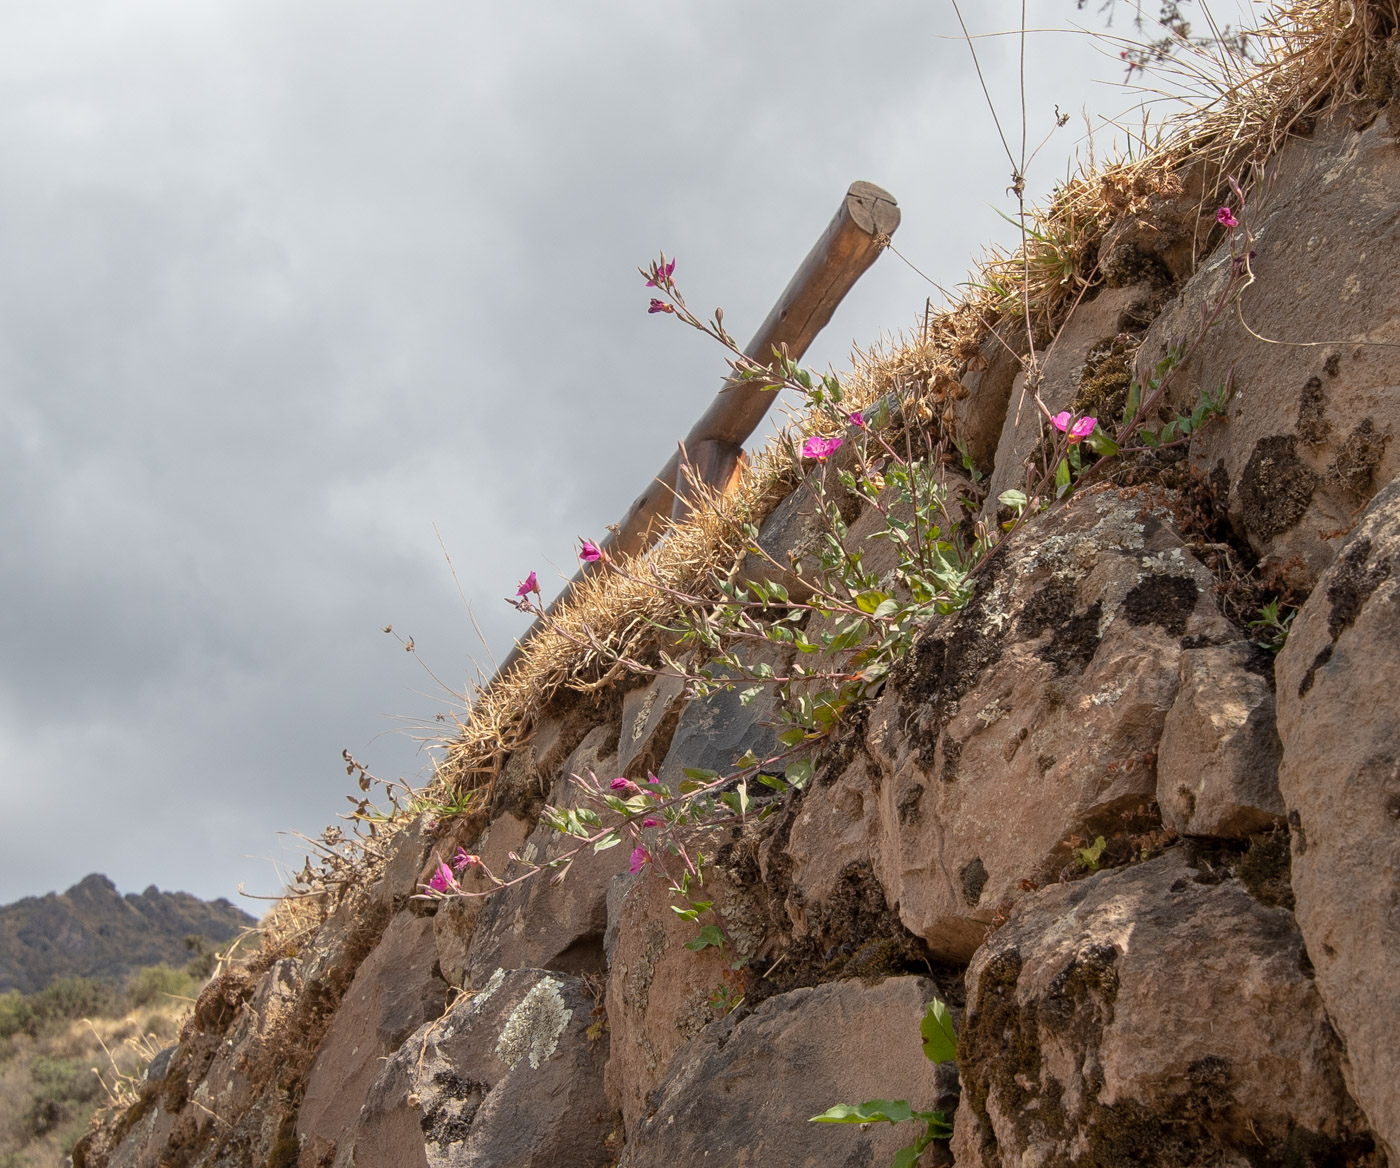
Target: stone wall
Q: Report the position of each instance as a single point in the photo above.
(1153, 870)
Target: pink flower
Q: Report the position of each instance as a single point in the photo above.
(442, 879)
(528, 585)
(857, 418)
(1079, 430)
(1225, 218)
(464, 860)
(651, 821)
(621, 784)
(663, 275)
(651, 778)
(659, 306)
(591, 552)
(820, 448)
(640, 857)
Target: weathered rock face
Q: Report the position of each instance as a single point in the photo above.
(661, 995)
(509, 1075)
(395, 991)
(1311, 430)
(1217, 770)
(1027, 724)
(1339, 722)
(743, 1091)
(1145, 1017)
(542, 922)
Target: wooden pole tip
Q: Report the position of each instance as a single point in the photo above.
(873, 208)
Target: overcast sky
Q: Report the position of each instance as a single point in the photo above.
(286, 283)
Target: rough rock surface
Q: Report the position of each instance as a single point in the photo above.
(1339, 720)
(742, 1092)
(544, 923)
(1145, 1017)
(1312, 431)
(661, 994)
(508, 1076)
(395, 990)
(1026, 725)
(1217, 770)
(454, 923)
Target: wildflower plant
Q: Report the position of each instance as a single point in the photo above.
(851, 623)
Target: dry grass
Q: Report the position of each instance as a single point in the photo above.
(1317, 55)
(48, 1088)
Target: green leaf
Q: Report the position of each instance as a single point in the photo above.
(871, 601)
(940, 1039)
(1061, 478)
(799, 773)
(709, 935)
(907, 1156)
(875, 1111)
(699, 774)
(747, 696)
(611, 840)
(1101, 444)
(1016, 500)
(792, 737)
(884, 609)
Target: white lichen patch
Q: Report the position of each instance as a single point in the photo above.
(532, 1031)
(483, 995)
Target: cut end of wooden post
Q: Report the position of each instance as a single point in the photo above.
(872, 208)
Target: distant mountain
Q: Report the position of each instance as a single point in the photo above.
(93, 931)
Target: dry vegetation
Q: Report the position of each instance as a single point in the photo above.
(57, 1071)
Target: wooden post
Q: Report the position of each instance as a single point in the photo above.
(713, 449)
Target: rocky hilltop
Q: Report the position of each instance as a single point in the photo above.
(93, 931)
(1130, 807)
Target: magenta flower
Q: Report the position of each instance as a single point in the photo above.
(1077, 431)
(651, 821)
(1225, 218)
(820, 448)
(464, 860)
(857, 418)
(621, 784)
(660, 306)
(640, 857)
(590, 552)
(663, 275)
(528, 585)
(442, 879)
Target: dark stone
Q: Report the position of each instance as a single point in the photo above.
(1276, 487)
(1167, 601)
(974, 879)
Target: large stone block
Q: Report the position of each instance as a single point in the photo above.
(743, 1091)
(509, 1076)
(1027, 724)
(661, 994)
(544, 922)
(1311, 433)
(395, 990)
(454, 923)
(1339, 721)
(1146, 1016)
(1217, 770)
